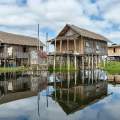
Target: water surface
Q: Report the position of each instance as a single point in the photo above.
(60, 96)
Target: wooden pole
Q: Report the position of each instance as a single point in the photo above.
(75, 59)
(68, 56)
(38, 47)
(89, 68)
(5, 55)
(92, 67)
(38, 37)
(75, 78)
(54, 56)
(60, 54)
(47, 47)
(83, 69)
(68, 79)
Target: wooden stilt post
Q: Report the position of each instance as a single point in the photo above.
(88, 68)
(75, 59)
(96, 68)
(92, 68)
(96, 62)
(83, 69)
(54, 65)
(75, 62)
(75, 78)
(68, 56)
(60, 54)
(68, 79)
(5, 55)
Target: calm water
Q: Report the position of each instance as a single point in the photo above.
(59, 96)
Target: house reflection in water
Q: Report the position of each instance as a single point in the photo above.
(15, 86)
(74, 97)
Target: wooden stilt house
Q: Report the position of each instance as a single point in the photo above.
(78, 47)
(15, 50)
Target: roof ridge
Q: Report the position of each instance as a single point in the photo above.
(16, 34)
(80, 31)
(12, 38)
(87, 30)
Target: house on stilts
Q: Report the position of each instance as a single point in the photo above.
(78, 47)
(18, 50)
(114, 52)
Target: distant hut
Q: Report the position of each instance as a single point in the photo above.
(114, 52)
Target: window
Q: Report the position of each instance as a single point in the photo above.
(97, 47)
(41, 47)
(87, 44)
(24, 49)
(114, 50)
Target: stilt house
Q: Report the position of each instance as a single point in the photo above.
(15, 49)
(78, 47)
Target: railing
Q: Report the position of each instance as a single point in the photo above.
(14, 55)
(114, 54)
(21, 55)
(97, 51)
(89, 50)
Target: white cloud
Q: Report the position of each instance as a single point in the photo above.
(54, 14)
(113, 14)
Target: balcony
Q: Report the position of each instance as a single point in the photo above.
(89, 50)
(14, 55)
(21, 55)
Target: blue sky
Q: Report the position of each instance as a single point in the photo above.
(22, 16)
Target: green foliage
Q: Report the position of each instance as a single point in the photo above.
(13, 69)
(112, 67)
(63, 68)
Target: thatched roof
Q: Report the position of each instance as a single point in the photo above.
(81, 32)
(10, 38)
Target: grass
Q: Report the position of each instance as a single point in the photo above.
(63, 69)
(112, 67)
(12, 69)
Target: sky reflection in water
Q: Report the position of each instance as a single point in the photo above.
(51, 107)
(27, 109)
